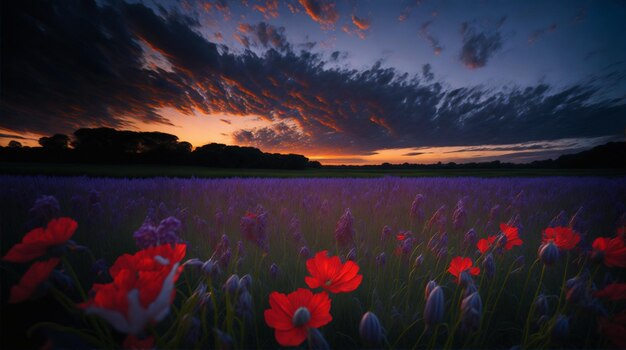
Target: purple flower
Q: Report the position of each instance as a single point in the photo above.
(304, 252)
(45, 209)
(150, 236)
(370, 330)
(344, 231)
(459, 217)
(541, 305)
(274, 271)
(419, 260)
(489, 265)
(560, 329)
(434, 308)
(429, 288)
(417, 211)
(470, 239)
(381, 259)
(386, 234)
(351, 255)
(548, 253)
(471, 312)
(254, 228)
(231, 286)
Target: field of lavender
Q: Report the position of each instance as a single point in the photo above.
(313, 263)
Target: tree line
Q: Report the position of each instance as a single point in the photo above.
(110, 146)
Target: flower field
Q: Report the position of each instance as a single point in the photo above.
(313, 263)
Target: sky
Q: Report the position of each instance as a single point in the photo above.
(342, 82)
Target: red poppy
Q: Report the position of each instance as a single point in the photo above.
(512, 236)
(563, 237)
(401, 236)
(613, 291)
(134, 343)
(330, 274)
(614, 329)
(292, 315)
(36, 242)
(460, 264)
(612, 250)
(142, 288)
(35, 276)
(484, 244)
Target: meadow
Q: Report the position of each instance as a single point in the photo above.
(538, 286)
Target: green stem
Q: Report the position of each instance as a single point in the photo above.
(532, 309)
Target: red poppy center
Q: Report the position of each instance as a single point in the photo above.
(328, 283)
(301, 317)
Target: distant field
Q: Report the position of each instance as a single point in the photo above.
(144, 171)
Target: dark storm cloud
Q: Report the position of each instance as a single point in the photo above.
(427, 72)
(321, 11)
(279, 135)
(479, 44)
(432, 41)
(537, 34)
(265, 35)
(15, 137)
(73, 64)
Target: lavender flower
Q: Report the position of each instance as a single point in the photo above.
(459, 217)
(254, 228)
(417, 211)
(386, 233)
(381, 259)
(470, 239)
(150, 236)
(344, 231)
(351, 255)
(45, 209)
(489, 265)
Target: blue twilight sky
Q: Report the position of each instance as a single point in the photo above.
(339, 81)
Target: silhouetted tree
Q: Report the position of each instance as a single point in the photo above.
(55, 142)
(14, 144)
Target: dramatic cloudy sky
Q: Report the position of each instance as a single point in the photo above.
(339, 81)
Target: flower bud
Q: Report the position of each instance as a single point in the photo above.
(418, 261)
(317, 340)
(548, 253)
(231, 285)
(489, 265)
(541, 305)
(434, 309)
(301, 317)
(351, 255)
(429, 288)
(245, 282)
(274, 271)
(370, 330)
(560, 329)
